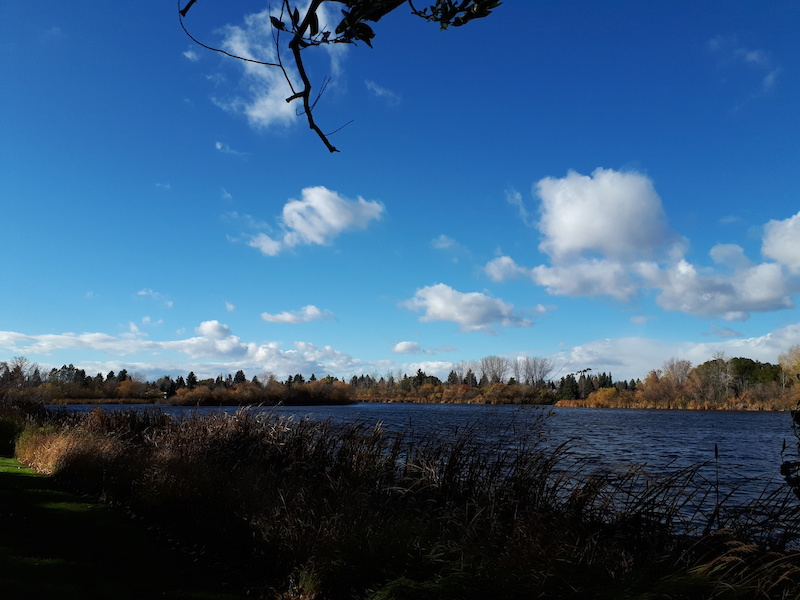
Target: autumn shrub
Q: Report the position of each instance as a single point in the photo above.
(318, 510)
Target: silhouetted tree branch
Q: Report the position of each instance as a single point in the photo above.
(305, 32)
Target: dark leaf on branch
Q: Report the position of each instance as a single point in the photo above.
(277, 23)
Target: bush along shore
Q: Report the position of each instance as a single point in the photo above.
(719, 384)
(313, 510)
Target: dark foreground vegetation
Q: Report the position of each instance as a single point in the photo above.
(56, 544)
(312, 510)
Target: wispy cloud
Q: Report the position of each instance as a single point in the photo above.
(390, 97)
(723, 332)
(450, 246)
(733, 55)
(229, 306)
(304, 315)
(265, 89)
(157, 296)
(226, 149)
(192, 55)
(317, 218)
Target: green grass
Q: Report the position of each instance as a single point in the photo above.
(55, 545)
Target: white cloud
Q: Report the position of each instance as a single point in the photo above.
(215, 349)
(617, 215)
(592, 277)
(157, 296)
(264, 88)
(514, 198)
(503, 268)
(472, 311)
(781, 242)
(723, 332)
(304, 315)
(192, 55)
(607, 235)
(582, 277)
(730, 255)
(319, 217)
(391, 98)
(265, 244)
(407, 348)
(226, 149)
(758, 288)
(443, 242)
(640, 319)
(732, 55)
(229, 306)
(634, 357)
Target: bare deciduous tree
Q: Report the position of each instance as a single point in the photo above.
(535, 370)
(495, 368)
(676, 370)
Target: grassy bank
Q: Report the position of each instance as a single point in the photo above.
(58, 545)
(311, 510)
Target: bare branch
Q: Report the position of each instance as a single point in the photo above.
(182, 13)
(306, 33)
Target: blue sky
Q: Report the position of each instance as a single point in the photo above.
(608, 185)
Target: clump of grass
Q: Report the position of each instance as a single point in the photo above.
(316, 510)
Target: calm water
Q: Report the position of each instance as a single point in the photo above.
(748, 443)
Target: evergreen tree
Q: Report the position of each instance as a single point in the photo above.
(568, 389)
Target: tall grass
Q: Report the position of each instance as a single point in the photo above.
(313, 510)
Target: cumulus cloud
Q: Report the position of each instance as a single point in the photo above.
(407, 348)
(264, 89)
(472, 311)
(685, 288)
(317, 218)
(613, 214)
(213, 349)
(304, 315)
(607, 235)
(730, 255)
(781, 242)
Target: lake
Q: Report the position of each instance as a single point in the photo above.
(748, 443)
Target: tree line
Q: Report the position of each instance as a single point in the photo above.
(718, 383)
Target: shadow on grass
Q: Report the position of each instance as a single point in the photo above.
(54, 545)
